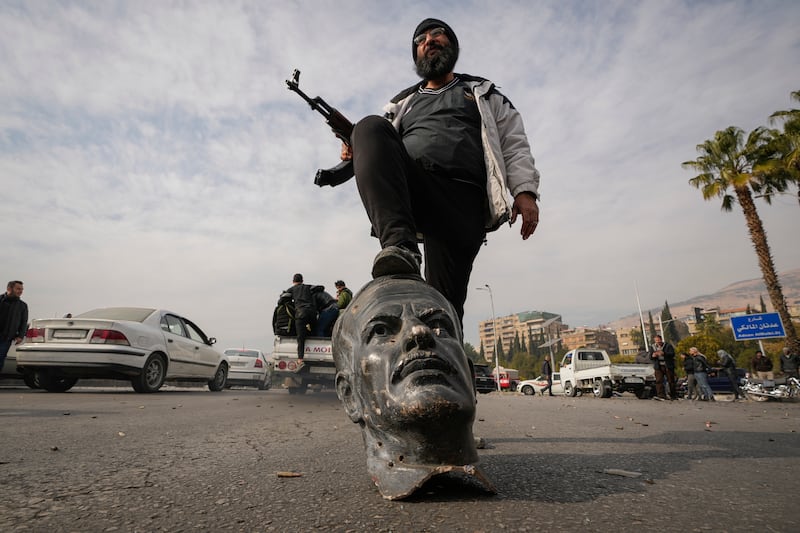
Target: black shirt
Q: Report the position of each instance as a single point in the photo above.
(441, 131)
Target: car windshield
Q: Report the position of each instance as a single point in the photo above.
(133, 314)
(482, 371)
(243, 353)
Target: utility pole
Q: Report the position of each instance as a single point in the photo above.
(486, 287)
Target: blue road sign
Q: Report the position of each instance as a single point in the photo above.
(760, 326)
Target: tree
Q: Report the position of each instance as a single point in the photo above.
(726, 163)
(499, 351)
(476, 357)
(651, 327)
(670, 329)
(762, 304)
(637, 338)
(787, 142)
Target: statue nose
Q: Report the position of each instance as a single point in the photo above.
(422, 336)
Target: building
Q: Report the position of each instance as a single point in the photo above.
(625, 342)
(527, 327)
(601, 339)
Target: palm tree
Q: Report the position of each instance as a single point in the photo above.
(788, 144)
(726, 163)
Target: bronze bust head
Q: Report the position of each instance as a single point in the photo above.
(402, 375)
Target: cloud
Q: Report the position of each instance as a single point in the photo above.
(151, 154)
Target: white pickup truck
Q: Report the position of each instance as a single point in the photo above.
(588, 369)
(318, 367)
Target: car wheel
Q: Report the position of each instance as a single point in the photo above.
(56, 382)
(527, 390)
(644, 393)
(597, 388)
(217, 383)
(152, 377)
(569, 390)
(31, 379)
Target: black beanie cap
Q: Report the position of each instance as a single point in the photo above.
(428, 24)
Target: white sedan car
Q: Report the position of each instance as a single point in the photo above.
(248, 367)
(532, 386)
(143, 346)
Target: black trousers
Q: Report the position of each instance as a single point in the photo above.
(734, 379)
(668, 373)
(402, 199)
(303, 323)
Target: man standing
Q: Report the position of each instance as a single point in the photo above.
(790, 363)
(701, 368)
(762, 366)
(691, 383)
(305, 311)
(445, 165)
(547, 372)
(663, 357)
(343, 295)
(13, 318)
(728, 364)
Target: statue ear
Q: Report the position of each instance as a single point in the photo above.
(344, 390)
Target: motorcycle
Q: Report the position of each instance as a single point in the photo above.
(762, 390)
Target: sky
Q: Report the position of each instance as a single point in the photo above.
(151, 154)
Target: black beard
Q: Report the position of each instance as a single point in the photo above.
(436, 67)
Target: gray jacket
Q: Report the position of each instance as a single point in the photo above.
(510, 168)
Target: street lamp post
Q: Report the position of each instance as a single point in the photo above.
(486, 287)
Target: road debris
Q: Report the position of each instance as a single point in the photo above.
(623, 473)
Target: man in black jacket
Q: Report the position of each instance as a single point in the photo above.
(13, 318)
(305, 311)
(728, 364)
(663, 356)
(547, 372)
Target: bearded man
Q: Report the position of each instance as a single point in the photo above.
(449, 161)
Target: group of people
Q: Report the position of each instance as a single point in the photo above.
(308, 310)
(696, 366)
(761, 365)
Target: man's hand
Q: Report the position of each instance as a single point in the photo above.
(525, 205)
(347, 152)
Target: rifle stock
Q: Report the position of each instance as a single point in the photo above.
(341, 127)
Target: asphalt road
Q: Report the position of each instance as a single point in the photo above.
(192, 460)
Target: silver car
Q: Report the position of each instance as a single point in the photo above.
(248, 367)
(142, 345)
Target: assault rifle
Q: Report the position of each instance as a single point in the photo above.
(342, 127)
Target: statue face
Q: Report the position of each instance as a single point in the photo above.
(403, 376)
(409, 365)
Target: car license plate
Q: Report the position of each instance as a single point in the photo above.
(322, 370)
(634, 380)
(69, 334)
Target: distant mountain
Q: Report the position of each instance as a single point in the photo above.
(735, 295)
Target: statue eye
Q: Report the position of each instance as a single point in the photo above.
(441, 327)
(381, 330)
